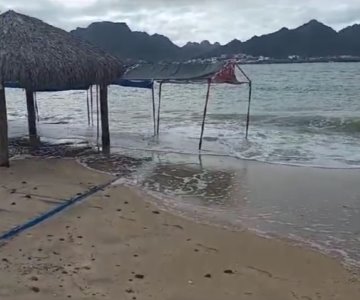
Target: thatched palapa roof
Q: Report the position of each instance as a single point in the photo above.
(38, 56)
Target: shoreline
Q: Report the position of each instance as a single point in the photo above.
(190, 256)
(241, 178)
(85, 148)
(241, 159)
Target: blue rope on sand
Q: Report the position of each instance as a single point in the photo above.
(43, 217)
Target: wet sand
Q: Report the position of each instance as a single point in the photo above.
(115, 245)
(313, 206)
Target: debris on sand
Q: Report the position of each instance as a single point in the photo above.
(35, 289)
(139, 276)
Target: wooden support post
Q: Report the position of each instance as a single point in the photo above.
(104, 119)
(92, 105)
(31, 117)
(36, 109)
(4, 143)
(159, 108)
(153, 107)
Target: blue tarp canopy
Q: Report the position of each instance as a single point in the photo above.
(145, 84)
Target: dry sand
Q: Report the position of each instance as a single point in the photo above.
(31, 187)
(115, 245)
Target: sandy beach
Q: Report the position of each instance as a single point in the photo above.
(115, 245)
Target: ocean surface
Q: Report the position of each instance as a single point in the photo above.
(304, 115)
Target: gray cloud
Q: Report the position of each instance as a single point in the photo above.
(192, 20)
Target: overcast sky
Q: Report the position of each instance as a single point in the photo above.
(192, 20)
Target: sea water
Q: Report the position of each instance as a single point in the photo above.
(303, 114)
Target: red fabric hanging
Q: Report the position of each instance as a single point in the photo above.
(226, 74)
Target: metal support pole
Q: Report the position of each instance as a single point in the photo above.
(4, 141)
(153, 106)
(200, 161)
(158, 116)
(204, 116)
(92, 107)
(88, 106)
(242, 72)
(248, 112)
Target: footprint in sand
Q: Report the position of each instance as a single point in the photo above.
(35, 289)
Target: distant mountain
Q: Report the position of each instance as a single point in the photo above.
(234, 47)
(191, 49)
(350, 39)
(309, 40)
(118, 39)
(313, 39)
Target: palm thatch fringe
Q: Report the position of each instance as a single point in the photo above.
(40, 56)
